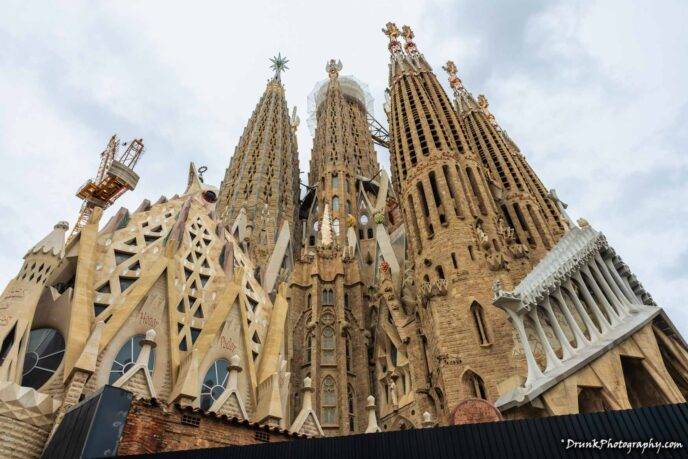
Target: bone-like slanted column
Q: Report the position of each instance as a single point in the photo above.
(630, 295)
(534, 372)
(594, 333)
(611, 313)
(621, 308)
(552, 359)
(608, 273)
(601, 319)
(581, 340)
(602, 267)
(566, 348)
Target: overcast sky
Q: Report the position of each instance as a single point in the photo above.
(594, 93)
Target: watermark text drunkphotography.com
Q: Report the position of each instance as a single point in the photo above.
(650, 445)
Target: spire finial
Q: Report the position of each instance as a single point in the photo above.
(408, 35)
(392, 33)
(484, 104)
(333, 68)
(279, 64)
(454, 80)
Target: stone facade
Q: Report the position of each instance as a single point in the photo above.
(374, 302)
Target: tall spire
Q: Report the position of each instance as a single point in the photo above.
(263, 174)
(342, 145)
(508, 168)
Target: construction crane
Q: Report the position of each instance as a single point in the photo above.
(115, 176)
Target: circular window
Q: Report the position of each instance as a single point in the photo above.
(209, 196)
(214, 383)
(43, 355)
(126, 358)
(363, 219)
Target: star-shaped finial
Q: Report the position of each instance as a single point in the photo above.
(279, 64)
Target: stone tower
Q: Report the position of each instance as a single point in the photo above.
(260, 192)
(458, 240)
(525, 204)
(329, 284)
(482, 230)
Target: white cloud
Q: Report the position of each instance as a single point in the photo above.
(593, 92)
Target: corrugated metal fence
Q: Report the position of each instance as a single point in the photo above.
(549, 437)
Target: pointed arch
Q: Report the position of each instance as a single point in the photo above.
(351, 404)
(327, 344)
(328, 401)
(308, 348)
(480, 325)
(474, 385)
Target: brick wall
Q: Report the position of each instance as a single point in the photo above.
(151, 429)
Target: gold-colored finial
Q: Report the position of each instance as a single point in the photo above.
(392, 33)
(454, 80)
(483, 104)
(482, 101)
(408, 35)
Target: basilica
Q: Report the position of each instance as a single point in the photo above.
(452, 289)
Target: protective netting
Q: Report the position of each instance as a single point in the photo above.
(350, 86)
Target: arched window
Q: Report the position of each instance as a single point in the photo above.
(43, 355)
(309, 348)
(347, 307)
(335, 226)
(370, 233)
(352, 408)
(308, 301)
(327, 345)
(126, 358)
(439, 271)
(479, 321)
(348, 345)
(328, 401)
(214, 383)
(335, 203)
(327, 297)
(475, 386)
(335, 181)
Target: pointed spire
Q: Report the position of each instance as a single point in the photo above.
(372, 418)
(307, 421)
(464, 99)
(53, 242)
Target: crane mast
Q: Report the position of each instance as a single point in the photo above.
(114, 177)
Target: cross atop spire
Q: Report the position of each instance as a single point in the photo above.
(279, 64)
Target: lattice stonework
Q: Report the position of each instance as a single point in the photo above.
(195, 278)
(128, 252)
